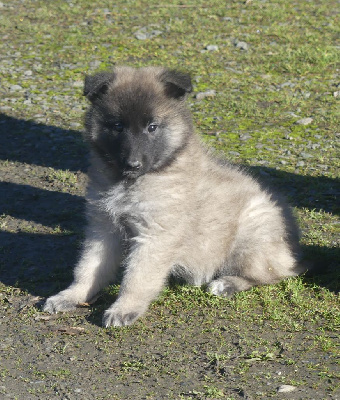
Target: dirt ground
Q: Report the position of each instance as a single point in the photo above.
(276, 342)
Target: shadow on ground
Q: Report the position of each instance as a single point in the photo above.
(42, 263)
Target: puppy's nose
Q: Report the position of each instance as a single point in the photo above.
(134, 164)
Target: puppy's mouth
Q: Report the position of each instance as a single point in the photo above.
(131, 173)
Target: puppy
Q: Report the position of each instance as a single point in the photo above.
(159, 204)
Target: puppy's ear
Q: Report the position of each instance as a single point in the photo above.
(96, 85)
(177, 84)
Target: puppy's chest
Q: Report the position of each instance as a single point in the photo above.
(131, 208)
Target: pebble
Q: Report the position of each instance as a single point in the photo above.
(245, 136)
(28, 73)
(300, 164)
(146, 33)
(94, 64)
(15, 88)
(306, 155)
(212, 47)
(286, 388)
(75, 125)
(241, 45)
(207, 93)
(288, 84)
(78, 84)
(304, 121)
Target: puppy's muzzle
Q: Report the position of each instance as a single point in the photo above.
(134, 165)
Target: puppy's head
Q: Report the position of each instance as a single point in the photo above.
(138, 121)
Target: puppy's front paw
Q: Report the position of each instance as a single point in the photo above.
(57, 303)
(118, 316)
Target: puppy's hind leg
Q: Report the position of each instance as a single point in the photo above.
(266, 264)
(98, 264)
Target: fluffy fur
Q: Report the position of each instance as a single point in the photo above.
(159, 204)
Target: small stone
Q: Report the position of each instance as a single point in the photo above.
(28, 73)
(234, 153)
(305, 155)
(212, 47)
(146, 33)
(140, 35)
(245, 136)
(337, 93)
(15, 88)
(228, 19)
(300, 164)
(286, 389)
(75, 124)
(304, 121)
(287, 84)
(207, 93)
(78, 84)
(94, 64)
(241, 45)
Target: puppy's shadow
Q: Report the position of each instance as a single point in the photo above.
(31, 257)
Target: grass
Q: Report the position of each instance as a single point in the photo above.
(190, 344)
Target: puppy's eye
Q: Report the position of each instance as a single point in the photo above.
(152, 127)
(118, 126)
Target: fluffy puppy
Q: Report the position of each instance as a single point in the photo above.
(159, 204)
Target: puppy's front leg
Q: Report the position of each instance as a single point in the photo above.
(97, 267)
(145, 276)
